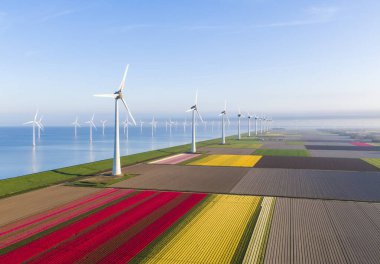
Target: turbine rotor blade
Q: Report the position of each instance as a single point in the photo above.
(129, 112)
(27, 123)
(199, 115)
(106, 95)
(122, 84)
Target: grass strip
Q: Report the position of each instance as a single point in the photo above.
(282, 152)
(373, 161)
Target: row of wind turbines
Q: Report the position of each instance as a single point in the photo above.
(118, 97)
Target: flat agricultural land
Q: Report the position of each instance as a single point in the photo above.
(230, 151)
(227, 160)
(151, 226)
(183, 178)
(318, 231)
(317, 184)
(282, 152)
(344, 154)
(222, 205)
(349, 148)
(314, 163)
(23, 205)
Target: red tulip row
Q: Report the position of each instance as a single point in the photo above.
(25, 228)
(116, 233)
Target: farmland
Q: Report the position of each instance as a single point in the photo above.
(272, 204)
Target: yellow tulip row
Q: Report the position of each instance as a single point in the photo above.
(212, 235)
(228, 160)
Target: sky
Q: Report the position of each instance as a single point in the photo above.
(269, 57)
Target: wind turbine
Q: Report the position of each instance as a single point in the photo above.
(118, 95)
(153, 124)
(141, 126)
(40, 127)
(249, 124)
(194, 109)
(184, 125)
(126, 124)
(261, 124)
(35, 123)
(76, 124)
(256, 117)
(224, 114)
(239, 116)
(91, 125)
(103, 124)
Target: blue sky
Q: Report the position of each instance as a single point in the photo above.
(264, 56)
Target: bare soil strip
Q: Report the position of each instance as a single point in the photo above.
(349, 148)
(315, 163)
(184, 178)
(23, 205)
(339, 185)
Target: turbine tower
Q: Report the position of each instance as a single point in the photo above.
(224, 114)
(239, 116)
(141, 126)
(249, 124)
(103, 125)
(153, 124)
(118, 95)
(76, 124)
(35, 123)
(91, 125)
(256, 117)
(194, 109)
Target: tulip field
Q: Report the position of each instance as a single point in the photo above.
(120, 226)
(228, 160)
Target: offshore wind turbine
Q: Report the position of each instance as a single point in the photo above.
(223, 114)
(194, 109)
(153, 124)
(184, 125)
(75, 124)
(103, 125)
(141, 126)
(118, 95)
(239, 116)
(34, 123)
(91, 125)
(40, 127)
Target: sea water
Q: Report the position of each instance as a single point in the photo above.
(57, 147)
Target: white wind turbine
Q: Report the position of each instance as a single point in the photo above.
(261, 124)
(118, 95)
(194, 109)
(91, 125)
(239, 116)
(76, 124)
(141, 126)
(184, 123)
(249, 124)
(103, 125)
(153, 124)
(256, 118)
(35, 123)
(40, 127)
(126, 124)
(224, 114)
